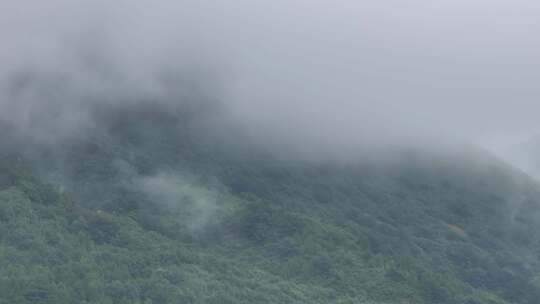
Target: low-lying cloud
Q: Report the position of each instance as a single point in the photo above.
(314, 75)
(199, 204)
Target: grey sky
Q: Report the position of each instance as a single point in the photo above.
(336, 72)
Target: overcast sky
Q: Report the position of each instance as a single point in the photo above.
(336, 71)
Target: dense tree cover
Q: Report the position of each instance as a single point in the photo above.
(146, 210)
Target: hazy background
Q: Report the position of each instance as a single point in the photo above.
(318, 75)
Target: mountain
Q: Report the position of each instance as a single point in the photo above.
(156, 206)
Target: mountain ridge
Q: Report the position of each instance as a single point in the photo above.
(151, 210)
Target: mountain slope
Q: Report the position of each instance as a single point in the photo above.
(151, 207)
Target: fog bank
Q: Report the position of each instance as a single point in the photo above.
(312, 75)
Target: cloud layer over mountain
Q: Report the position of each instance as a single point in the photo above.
(341, 74)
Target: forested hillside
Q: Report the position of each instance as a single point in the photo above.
(152, 206)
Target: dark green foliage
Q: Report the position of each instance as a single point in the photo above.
(81, 226)
(260, 222)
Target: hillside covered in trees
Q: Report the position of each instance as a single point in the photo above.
(149, 206)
